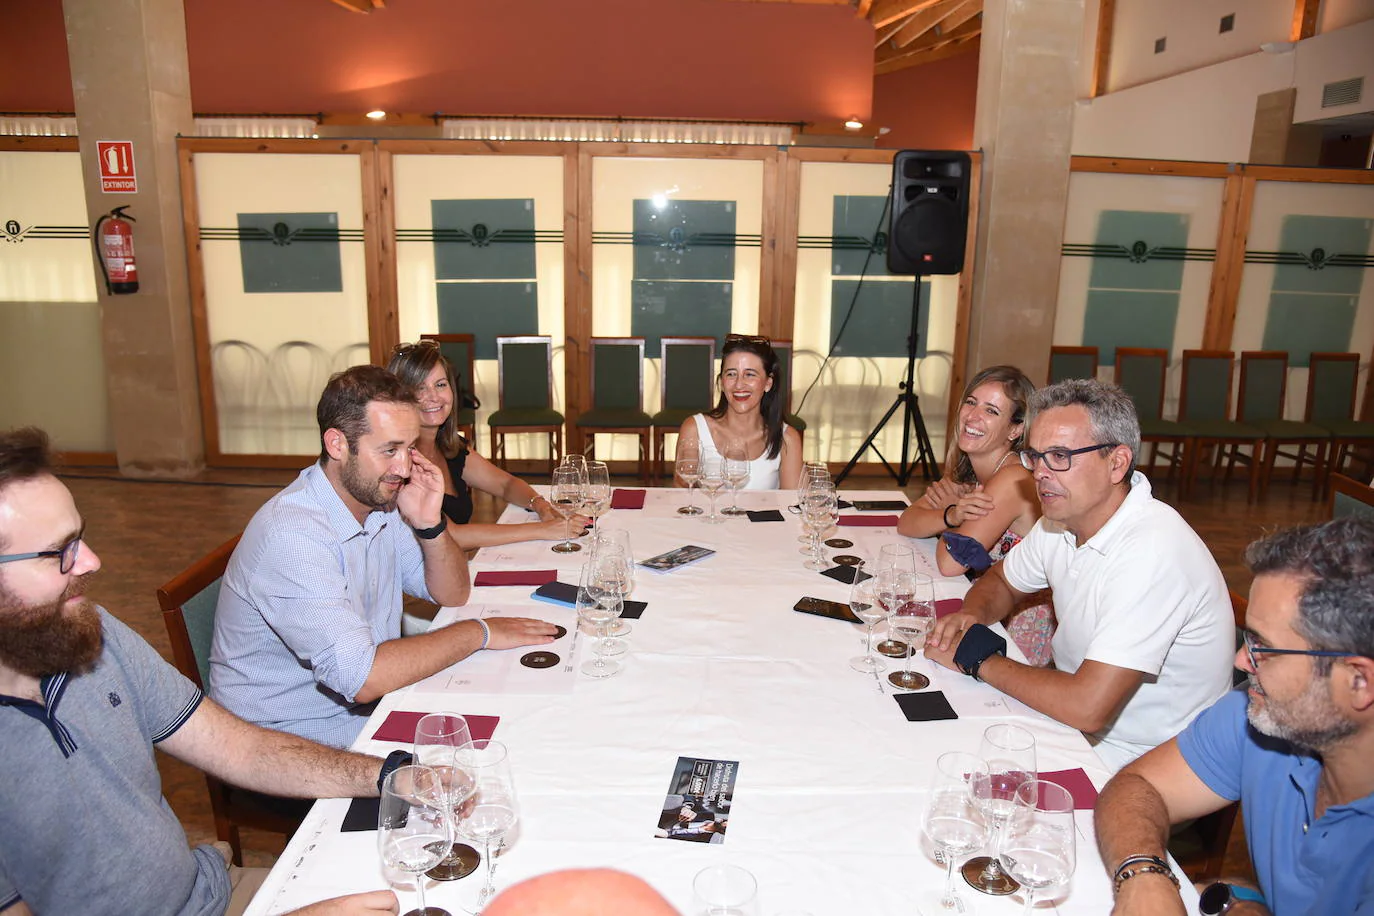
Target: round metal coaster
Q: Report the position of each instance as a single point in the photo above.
(839, 543)
(893, 648)
(539, 660)
(847, 559)
(559, 632)
(999, 885)
(459, 863)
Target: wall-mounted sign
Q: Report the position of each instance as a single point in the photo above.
(117, 166)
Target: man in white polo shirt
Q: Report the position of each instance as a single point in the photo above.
(1145, 633)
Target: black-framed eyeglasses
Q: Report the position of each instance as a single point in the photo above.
(66, 554)
(1058, 459)
(746, 338)
(1252, 649)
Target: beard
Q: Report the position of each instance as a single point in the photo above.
(368, 492)
(42, 640)
(1309, 721)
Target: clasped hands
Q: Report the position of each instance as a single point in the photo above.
(969, 501)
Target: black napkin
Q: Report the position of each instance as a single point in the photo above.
(930, 706)
(362, 815)
(630, 610)
(845, 574)
(764, 515)
(844, 504)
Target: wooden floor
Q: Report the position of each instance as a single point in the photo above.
(146, 532)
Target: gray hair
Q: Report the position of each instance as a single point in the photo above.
(1336, 560)
(1110, 410)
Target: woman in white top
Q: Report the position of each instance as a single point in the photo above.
(749, 412)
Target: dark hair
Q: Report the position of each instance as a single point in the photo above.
(1336, 561)
(770, 406)
(343, 405)
(24, 455)
(412, 364)
(1111, 412)
(1018, 390)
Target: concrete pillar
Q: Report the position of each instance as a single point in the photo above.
(131, 82)
(1275, 139)
(1028, 66)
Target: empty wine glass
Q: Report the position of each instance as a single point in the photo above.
(597, 497)
(953, 821)
(736, 475)
(817, 513)
(896, 556)
(814, 473)
(414, 827)
(576, 461)
(725, 890)
(712, 480)
(611, 574)
(865, 606)
(1039, 848)
(597, 610)
(567, 496)
(687, 466)
(618, 539)
(437, 735)
(893, 588)
(909, 621)
(491, 813)
(1010, 753)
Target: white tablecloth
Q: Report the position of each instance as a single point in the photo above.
(831, 780)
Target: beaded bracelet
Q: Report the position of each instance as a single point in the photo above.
(486, 633)
(1135, 865)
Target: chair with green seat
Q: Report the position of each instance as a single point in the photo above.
(1204, 406)
(524, 369)
(1331, 385)
(457, 349)
(1350, 499)
(687, 381)
(1140, 371)
(783, 349)
(1263, 388)
(617, 374)
(188, 611)
(1072, 362)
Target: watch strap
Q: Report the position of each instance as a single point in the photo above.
(393, 762)
(429, 534)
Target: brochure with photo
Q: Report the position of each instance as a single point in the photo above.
(674, 559)
(697, 806)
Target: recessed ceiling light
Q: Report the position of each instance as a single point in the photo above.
(377, 114)
(853, 124)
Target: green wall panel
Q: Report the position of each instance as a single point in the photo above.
(677, 308)
(488, 311)
(483, 255)
(1143, 235)
(300, 253)
(1134, 283)
(1312, 305)
(1129, 318)
(684, 240)
(859, 219)
(882, 317)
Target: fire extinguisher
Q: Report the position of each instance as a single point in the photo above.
(114, 248)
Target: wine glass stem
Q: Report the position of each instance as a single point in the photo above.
(992, 872)
(420, 892)
(949, 901)
(734, 498)
(692, 495)
(869, 653)
(1030, 900)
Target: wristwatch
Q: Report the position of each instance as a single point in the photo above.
(429, 534)
(394, 761)
(1219, 897)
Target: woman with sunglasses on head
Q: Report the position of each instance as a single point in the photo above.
(749, 412)
(986, 501)
(423, 367)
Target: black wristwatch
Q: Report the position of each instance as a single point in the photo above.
(1219, 897)
(429, 534)
(394, 761)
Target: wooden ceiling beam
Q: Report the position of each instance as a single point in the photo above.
(881, 36)
(355, 6)
(886, 12)
(949, 49)
(960, 16)
(863, 8)
(924, 21)
(1304, 19)
(1102, 54)
(930, 42)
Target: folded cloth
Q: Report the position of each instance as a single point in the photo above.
(515, 577)
(930, 706)
(966, 551)
(1079, 785)
(868, 521)
(946, 606)
(764, 515)
(362, 815)
(400, 727)
(627, 499)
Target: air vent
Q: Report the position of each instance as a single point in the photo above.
(1342, 92)
(1228, 22)
(1159, 45)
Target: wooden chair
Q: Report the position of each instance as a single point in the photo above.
(1331, 386)
(617, 374)
(1204, 406)
(1072, 362)
(458, 350)
(1263, 389)
(524, 367)
(1349, 498)
(1140, 371)
(687, 380)
(783, 348)
(188, 611)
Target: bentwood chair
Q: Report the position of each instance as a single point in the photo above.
(783, 349)
(1349, 499)
(188, 611)
(1204, 406)
(524, 367)
(1140, 372)
(617, 374)
(687, 373)
(1263, 390)
(1331, 384)
(1072, 362)
(458, 349)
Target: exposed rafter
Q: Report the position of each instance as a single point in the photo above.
(1304, 19)
(951, 49)
(888, 58)
(361, 6)
(886, 12)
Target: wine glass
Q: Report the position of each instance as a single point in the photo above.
(1039, 847)
(567, 495)
(618, 539)
(687, 465)
(814, 473)
(414, 829)
(597, 610)
(1010, 753)
(736, 475)
(893, 588)
(712, 480)
(611, 574)
(896, 556)
(576, 461)
(491, 813)
(909, 621)
(597, 498)
(953, 821)
(437, 735)
(725, 890)
(865, 606)
(817, 507)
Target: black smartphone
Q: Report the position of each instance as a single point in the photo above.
(822, 608)
(879, 505)
(566, 594)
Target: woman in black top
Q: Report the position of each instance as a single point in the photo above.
(423, 368)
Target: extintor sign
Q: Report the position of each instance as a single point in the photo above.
(117, 174)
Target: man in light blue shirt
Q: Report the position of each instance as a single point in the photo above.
(308, 626)
(1294, 748)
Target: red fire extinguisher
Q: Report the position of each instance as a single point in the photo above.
(114, 248)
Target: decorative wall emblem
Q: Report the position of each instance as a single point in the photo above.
(1316, 259)
(15, 232)
(1139, 252)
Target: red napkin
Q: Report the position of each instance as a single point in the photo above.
(515, 577)
(400, 727)
(868, 521)
(1079, 785)
(627, 499)
(946, 606)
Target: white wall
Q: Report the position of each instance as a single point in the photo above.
(1193, 39)
(1337, 14)
(1329, 57)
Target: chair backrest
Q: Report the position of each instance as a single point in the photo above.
(1350, 498)
(1206, 389)
(1140, 373)
(1331, 380)
(525, 368)
(1263, 385)
(618, 372)
(1072, 362)
(783, 349)
(458, 349)
(188, 611)
(688, 372)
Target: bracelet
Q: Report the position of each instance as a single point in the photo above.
(429, 534)
(529, 506)
(486, 633)
(1141, 864)
(945, 516)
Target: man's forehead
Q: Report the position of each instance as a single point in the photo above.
(34, 512)
(389, 420)
(1060, 426)
(1274, 602)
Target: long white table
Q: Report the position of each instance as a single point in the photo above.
(831, 779)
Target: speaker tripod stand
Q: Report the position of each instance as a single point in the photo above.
(912, 421)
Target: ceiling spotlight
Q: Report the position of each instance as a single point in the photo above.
(854, 123)
(377, 114)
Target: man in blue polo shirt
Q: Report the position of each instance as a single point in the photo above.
(1295, 747)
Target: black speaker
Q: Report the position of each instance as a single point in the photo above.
(929, 212)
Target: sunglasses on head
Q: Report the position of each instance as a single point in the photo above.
(747, 338)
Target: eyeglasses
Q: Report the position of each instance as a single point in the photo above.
(66, 554)
(406, 349)
(745, 338)
(1252, 649)
(1058, 459)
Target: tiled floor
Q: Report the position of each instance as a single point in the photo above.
(146, 532)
